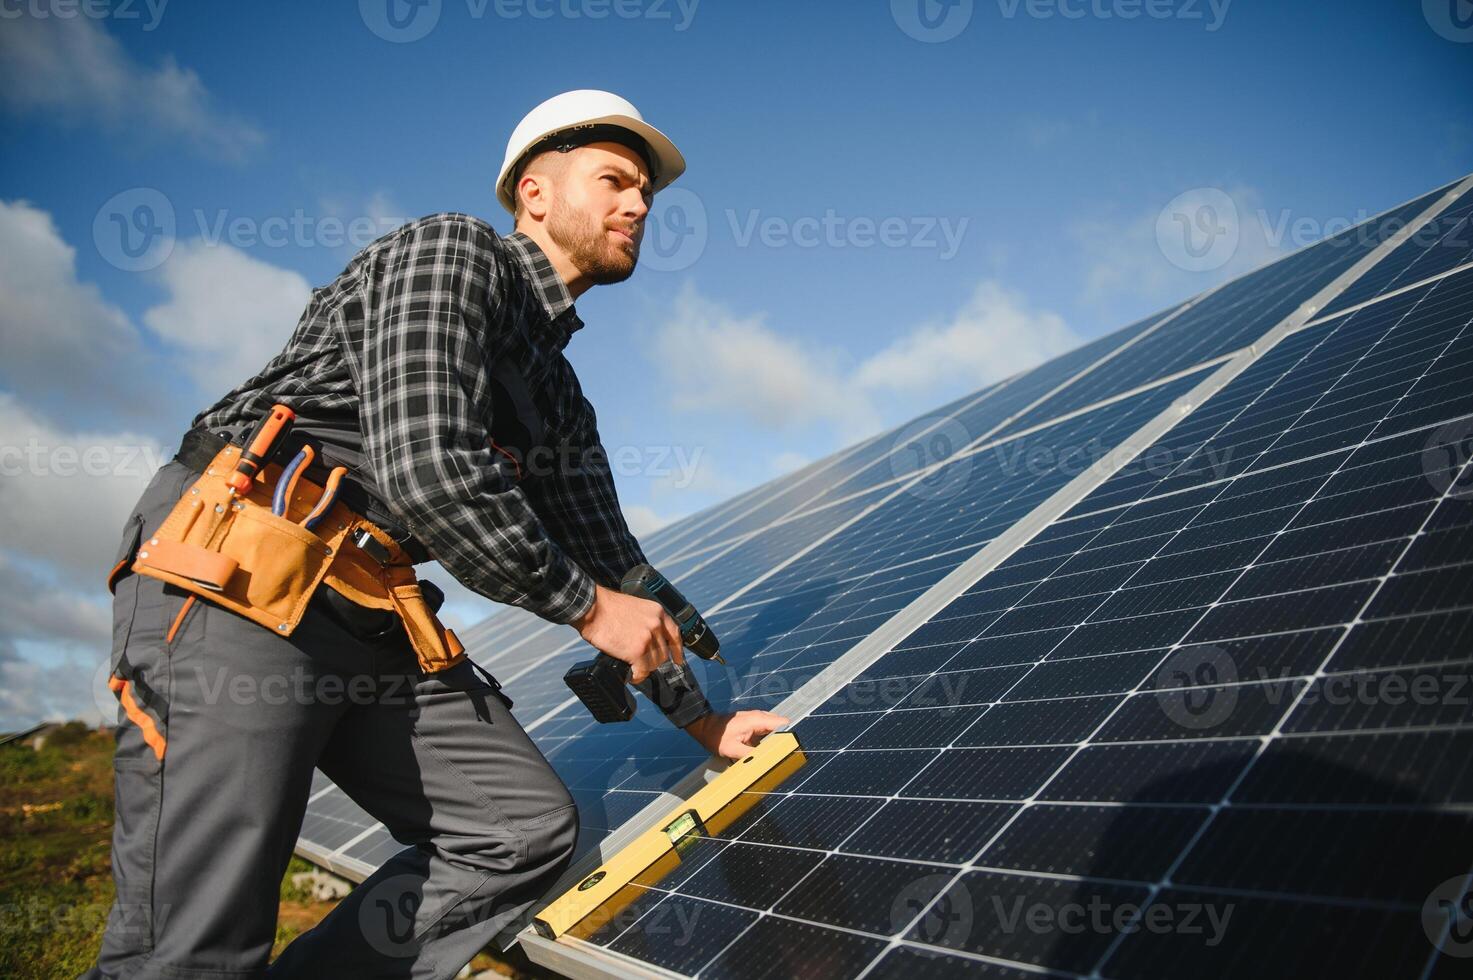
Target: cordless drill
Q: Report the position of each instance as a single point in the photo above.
(602, 684)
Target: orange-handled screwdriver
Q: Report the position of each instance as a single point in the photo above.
(258, 449)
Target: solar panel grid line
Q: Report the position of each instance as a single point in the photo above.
(1301, 315)
(980, 443)
(555, 711)
(321, 792)
(923, 474)
(839, 457)
(706, 543)
(772, 911)
(967, 405)
(552, 714)
(572, 642)
(1389, 294)
(1276, 732)
(504, 651)
(1324, 298)
(1452, 245)
(1360, 267)
(570, 961)
(981, 446)
(1446, 932)
(1250, 304)
(758, 497)
(1079, 747)
(966, 575)
(653, 811)
(665, 539)
(726, 546)
(712, 553)
(901, 486)
(332, 861)
(840, 851)
(360, 836)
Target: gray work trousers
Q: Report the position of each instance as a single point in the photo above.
(203, 835)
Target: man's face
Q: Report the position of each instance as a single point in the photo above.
(597, 210)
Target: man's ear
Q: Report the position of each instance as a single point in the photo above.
(534, 192)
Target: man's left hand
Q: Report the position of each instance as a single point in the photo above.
(733, 735)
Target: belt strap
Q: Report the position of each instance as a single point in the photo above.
(200, 446)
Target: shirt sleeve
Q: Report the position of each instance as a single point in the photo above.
(426, 401)
(573, 490)
(575, 494)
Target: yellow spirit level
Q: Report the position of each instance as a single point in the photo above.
(657, 851)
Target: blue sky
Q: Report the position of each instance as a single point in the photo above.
(878, 215)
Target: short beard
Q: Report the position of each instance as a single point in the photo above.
(589, 247)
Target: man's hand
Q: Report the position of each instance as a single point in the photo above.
(733, 735)
(634, 630)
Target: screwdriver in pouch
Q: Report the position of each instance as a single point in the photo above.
(264, 439)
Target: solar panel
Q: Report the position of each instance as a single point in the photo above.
(1073, 694)
(1445, 244)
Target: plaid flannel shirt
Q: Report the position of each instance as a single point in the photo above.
(433, 341)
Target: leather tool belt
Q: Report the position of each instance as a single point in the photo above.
(234, 552)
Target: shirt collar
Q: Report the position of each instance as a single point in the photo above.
(551, 291)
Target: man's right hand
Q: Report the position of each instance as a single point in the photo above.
(634, 630)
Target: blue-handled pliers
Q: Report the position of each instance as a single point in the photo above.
(287, 485)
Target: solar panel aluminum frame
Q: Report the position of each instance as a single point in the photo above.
(576, 958)
(1418, 284)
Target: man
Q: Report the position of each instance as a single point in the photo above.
(431, 369)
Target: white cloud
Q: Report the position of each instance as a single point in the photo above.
(52, 324)
(227, 313)
(65, 686)
(788, 462)
(365, 219)
(644, 520)
(759, 376)
(385, 212)
(71, 67)
(67, 488)
(752, 371)
(992, 336)
(1140, 256)
(66, 494)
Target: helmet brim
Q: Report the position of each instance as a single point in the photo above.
(669, 163)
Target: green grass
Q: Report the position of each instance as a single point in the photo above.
(55, 868)
(56, 816)
(55, 871)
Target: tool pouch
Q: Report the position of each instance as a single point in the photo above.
(436, 647)
(358, 577)
(234, 552)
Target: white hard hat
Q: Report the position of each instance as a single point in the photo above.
(576, 113)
